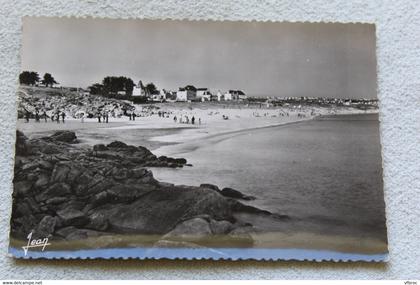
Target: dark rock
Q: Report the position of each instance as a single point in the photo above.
(45, 227)
(73, 217)
(60, 173)
(120, 173)
(191, 230)
(21, 209)
(239, 207)
(220, 227)
(232, 193)
(159, 211)
(21, 146)
(139, 172)
(100, 147)
(55, 190)
(181, 160)
(73, 233)
(210, 186)
(56, 200)
(97, 221)
(42, 181)
(117, 144)
(64, 136)
(22, 188)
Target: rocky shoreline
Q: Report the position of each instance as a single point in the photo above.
(68, 193)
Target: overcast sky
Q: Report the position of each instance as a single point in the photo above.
(263, 59)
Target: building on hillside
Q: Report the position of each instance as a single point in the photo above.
(203, 94)
(186, 94)
(235, 95)
(220, 96)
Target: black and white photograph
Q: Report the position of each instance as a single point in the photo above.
(197, 139)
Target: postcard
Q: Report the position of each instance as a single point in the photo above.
(197, 140)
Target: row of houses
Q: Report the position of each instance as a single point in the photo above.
(189, 93)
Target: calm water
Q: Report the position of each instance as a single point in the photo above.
(325, 174)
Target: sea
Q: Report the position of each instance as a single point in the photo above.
(325, 174)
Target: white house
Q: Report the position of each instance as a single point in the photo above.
(187, 93)
(220, 96)
(138, 91)
(235, 95)
(203, 94)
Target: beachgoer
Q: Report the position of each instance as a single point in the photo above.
(103, 117)
(199, 121)
(58, 117)
(63, 115)
(82, 119)
(44, 114)
(99, 117)
(134, 116)
(175, 119)
(27, 115)
(192, 120)
(37, 117)
(106, 117)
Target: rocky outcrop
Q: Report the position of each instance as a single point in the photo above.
(67, 193)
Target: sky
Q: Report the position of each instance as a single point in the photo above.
(262, 59)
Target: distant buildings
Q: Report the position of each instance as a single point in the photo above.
(203, 94)
(187, 93)
(235, 95)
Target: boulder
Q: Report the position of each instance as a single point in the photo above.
(97, 221)
(220, 227)
(55, 190)
(64, 136)
(191, 230)
(42, 181)
(210, 186)
(117, 144)
(160, 210)
(232, 193)
(45, 227)
(21, 147)
(22, 188)
(60, 173)
(100, 147)
(70, 216)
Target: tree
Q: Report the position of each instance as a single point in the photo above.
(29, 78)
(96, 89)
(48, 80)
(129, 86)
(150, 88)
(113, 84)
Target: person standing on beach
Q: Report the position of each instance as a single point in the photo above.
(175, 119)
(63, 115)
(192, 120)
(57, 114)
(106, 117)
(134, 116)
(129, 115)
(44, 114)
(37, 116)
(99, 116)
(27, 116)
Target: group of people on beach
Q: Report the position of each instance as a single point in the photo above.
(186, 120)
(55, 117)
(104, 116)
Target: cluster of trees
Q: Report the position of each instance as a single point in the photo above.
(112, 85)
(32, 78)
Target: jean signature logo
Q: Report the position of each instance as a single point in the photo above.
(42, 242)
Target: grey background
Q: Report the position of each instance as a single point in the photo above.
(398, 52)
